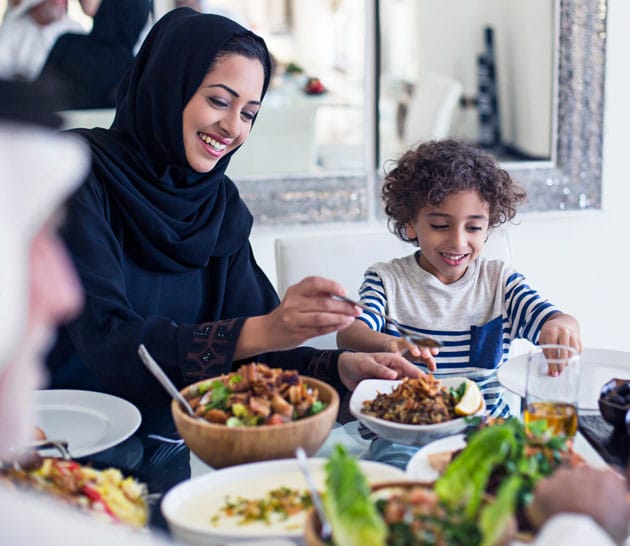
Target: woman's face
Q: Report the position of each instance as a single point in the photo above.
(55, 296)
(219, 116)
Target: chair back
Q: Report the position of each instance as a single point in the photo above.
(344, 257)
(431, 109)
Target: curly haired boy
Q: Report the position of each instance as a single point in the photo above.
(444, 197)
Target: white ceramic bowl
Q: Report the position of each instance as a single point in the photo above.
(400, 433)
(189, 506)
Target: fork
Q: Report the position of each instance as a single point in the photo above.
(166, 450)
(405, 332)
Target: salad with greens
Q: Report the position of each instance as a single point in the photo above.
(474, 503)
(254, 395)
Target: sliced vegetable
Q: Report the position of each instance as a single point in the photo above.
(496, 517)
(466, 478)
(353, 516)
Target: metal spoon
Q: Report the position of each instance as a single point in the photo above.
(410, 336)
(325, 531)
(164, 380)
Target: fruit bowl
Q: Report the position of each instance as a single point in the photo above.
(314, 86)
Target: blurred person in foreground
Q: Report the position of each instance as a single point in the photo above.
(581, 507)
(28, 32)
(39, 289)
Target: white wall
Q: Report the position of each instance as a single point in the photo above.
(580, 261)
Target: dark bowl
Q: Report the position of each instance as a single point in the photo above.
(614, 402)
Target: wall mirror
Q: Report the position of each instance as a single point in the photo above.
(562, 173)
(552, 113)
(313, 118)
(485, 76)
(317, 152)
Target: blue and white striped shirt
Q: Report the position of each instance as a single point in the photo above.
(476, 318)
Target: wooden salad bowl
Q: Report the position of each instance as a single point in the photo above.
(220, 446)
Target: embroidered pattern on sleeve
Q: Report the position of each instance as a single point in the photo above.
(211, 350)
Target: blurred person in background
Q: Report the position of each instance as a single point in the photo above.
(28, 32)
(208, 6)
(88, 67)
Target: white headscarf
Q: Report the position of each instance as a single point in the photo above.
(39, 168)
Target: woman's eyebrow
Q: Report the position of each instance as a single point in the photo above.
(232, 92)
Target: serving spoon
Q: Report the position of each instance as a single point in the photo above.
(410, 336)
(326, 531)
(164, 380)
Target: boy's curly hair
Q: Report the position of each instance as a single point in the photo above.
(429, 173)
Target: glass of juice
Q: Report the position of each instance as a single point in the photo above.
(552, 388)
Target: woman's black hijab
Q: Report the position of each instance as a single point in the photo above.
(90, 66)
(176, 217)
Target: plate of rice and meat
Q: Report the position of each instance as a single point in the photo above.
(416, 411)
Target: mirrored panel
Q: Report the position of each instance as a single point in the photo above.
(313, 117)
(485, 76)
(567, 177)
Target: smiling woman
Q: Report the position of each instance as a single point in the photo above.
(160, 235)
(231, 112)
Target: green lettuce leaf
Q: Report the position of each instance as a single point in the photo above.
(353, 516)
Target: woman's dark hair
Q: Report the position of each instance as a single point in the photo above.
(434, 170)
(248, 46)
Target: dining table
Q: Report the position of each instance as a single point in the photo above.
(156, 455)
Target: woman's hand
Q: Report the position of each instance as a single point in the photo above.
(411, 351)
(306, 311)
(353, 367)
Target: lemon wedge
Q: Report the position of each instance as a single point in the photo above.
(471, 401)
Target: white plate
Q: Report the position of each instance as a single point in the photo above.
(598, 366)
(368, 389)
(89, 421)
(419, 468)
(189, 506)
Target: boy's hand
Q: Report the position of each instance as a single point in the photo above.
(560, 329)
(413, 352)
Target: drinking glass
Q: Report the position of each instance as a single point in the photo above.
(552, 388)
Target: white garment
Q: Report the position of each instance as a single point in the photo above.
(24, 45)
(572, 530)
(38, 170)
(30, 520)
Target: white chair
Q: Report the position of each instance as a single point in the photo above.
(344, 257)
(431, 109)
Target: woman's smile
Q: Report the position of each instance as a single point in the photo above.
(213, 146)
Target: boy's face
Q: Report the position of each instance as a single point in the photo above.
(451, 235)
